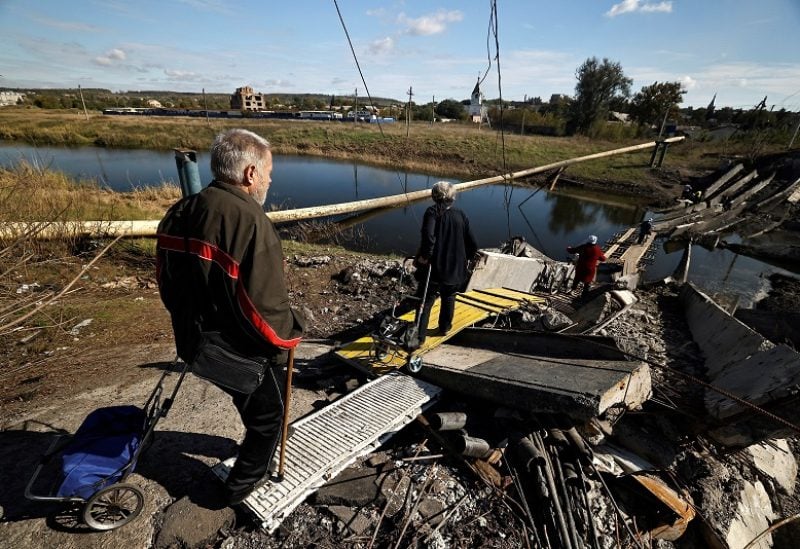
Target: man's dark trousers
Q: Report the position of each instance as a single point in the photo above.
(262, 416)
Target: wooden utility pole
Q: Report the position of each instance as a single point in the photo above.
(408, 110)
(664, 122)
(796, 130)
(205, 106)
(86, 114)
(355, 108)
(433, 108)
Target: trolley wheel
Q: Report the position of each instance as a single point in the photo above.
(113, 506)
(414, 364)
(381, 352)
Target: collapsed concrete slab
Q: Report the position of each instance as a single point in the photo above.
(497, 270)
(753, 515)
(580, 376)
(775, 460)
(743, 363)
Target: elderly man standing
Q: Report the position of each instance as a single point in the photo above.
(589, 255)
(446, 244)
(220, 271)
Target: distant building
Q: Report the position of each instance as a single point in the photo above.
(10, 98)
(245, 99)
(477, 112)
(154, 104)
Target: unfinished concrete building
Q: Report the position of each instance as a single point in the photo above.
(245, 99)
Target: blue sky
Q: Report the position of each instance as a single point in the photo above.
(740, 49)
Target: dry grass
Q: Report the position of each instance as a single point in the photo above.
(29, 193)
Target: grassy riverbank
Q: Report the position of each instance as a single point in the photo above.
(30, 193)
(456, 150)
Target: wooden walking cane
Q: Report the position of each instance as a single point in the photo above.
(287, 401)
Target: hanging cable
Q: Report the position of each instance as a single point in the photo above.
(369, 96)
(493, 32)
(358, 65)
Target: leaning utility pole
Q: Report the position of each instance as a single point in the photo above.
(796, 129)
(408, 110)
(86, 114)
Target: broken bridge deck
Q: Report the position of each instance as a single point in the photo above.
(581, 376)
(471, 307)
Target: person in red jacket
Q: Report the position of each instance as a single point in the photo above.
(589, 255)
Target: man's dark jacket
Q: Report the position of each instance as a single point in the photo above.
(220, 268)
(447, 242)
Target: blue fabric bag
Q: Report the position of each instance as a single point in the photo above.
(102, 446)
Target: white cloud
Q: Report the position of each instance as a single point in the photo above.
(382, 46)
(173, 74)
(427, 25)
(688, 83)
(630, 6)
(111, 57)
(661, 7)
(65, 25)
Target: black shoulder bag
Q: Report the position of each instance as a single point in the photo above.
(218, 363)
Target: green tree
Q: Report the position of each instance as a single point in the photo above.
(421, 112)
(558, 106)
(450, 108)
(599, 82)
(652, 103)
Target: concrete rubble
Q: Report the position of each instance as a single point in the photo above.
(640, 416)
(683, 466)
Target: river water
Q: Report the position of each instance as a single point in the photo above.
(549, 221)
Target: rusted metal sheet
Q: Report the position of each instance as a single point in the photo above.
(669, 497)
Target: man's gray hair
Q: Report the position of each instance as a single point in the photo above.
(442, 191)
(233, 151)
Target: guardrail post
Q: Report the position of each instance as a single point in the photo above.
(188, 173)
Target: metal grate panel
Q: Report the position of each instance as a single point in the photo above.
(323, 444)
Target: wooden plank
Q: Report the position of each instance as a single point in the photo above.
(711, 189)
(732, 190)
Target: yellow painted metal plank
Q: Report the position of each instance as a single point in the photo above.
(471, 307)
(514, 294)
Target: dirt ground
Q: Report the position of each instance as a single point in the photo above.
(107, 344)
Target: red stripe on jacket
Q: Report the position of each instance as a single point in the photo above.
(209, 252)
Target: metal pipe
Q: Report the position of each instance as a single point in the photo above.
(99, 228)
(551, 483)
(188, 173)
(472, 447)
(570, 512)
(449, 421)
